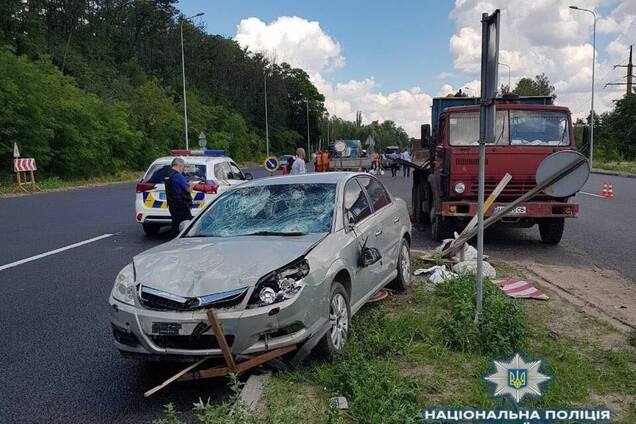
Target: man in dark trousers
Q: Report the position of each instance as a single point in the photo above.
(178, 193)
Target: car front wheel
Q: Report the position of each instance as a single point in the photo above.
(403, 279)
(334, 341)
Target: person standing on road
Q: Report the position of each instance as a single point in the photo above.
(394, 166)
(406, 169)
(299, 162)
(178, 194)
(325, 161)
(318, 161)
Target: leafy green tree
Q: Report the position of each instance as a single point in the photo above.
(539, 86)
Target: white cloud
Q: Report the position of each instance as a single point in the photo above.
(545, 36)
(304, 44)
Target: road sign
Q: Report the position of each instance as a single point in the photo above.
(271, 164)
(24, 175)
(24, 165)
(340, 146)
(572, 182)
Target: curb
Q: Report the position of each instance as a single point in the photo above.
(55, 190)
(253, 389)
(614, 173)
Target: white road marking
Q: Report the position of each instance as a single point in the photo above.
(591, 194)
(53, 252)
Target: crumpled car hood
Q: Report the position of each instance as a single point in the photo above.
(191, 267)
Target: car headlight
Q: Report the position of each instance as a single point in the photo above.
(124, 288)
(460, 187)
(279, 285)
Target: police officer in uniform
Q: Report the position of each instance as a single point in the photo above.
(178, 193)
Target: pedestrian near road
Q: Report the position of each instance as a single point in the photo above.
(394, 166)
(406, 169)
(299, 162)
(325, 161)
(318, 161)
(178, 194)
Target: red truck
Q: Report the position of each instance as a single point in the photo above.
(446, 158)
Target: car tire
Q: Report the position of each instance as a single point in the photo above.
(151, 229)
(332, 343)
(551, 230)
(403, 279)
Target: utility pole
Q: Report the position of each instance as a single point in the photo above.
(630, 74)
(185, 100)
(266, 122)
(593, 66)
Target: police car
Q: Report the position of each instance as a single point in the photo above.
(211, 169)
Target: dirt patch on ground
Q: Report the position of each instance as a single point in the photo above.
(603, 293)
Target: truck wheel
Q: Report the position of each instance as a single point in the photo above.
(417, 203)
(551, 230)
(333, 342)
(441, 228)
(151, 229)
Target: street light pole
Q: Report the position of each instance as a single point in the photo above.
(505, 64)
(308, 144)
(593, 66)
(266, 121)
(185, 100)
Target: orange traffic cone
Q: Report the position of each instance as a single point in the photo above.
(610, 191)
(605, 192)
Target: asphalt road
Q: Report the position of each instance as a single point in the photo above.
(57, 361)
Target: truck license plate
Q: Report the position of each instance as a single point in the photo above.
(519, 210)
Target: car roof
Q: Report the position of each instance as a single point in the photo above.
(315, 178)
(196, 160)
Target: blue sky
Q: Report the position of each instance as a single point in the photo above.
(401, 43)
(388, 59)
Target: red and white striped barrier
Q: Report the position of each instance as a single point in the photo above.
(520, 289)
(24, 165)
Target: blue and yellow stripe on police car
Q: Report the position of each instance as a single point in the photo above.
(151, 202)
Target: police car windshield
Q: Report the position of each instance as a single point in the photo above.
(158, 172)
(273, 210)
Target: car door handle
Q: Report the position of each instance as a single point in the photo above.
(396, 219)
(377, 233)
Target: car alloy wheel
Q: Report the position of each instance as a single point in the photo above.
(339, 319)
(405, 264)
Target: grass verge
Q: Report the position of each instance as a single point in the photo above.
(419, 349)
(620, 166)
(7, 185)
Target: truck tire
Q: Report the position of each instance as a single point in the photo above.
(416, 196)
(151, 229)
(441, 228)
(551, 230)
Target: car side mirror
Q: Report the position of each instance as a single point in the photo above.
(369, 256)
(184, 224)
(248, 176)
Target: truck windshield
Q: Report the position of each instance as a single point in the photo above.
(513, 127)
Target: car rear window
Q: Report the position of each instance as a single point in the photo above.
(158, 171)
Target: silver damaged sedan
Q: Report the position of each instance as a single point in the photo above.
(277, 258)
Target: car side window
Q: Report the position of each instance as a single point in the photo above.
(235, 172)
(377, 193)
(355, 201)
(222, 171)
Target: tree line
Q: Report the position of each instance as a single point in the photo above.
(92, 87)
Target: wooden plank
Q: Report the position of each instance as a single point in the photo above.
(220, 338)
(203, 374)
(263, 358)
(175, 377)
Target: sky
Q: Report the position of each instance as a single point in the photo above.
(388, 59)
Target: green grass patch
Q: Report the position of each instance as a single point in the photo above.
(421, 349)
(619, 166)
(7, 185)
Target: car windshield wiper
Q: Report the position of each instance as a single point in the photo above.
(275, 233)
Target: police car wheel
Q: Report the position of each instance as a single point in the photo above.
(151, 229)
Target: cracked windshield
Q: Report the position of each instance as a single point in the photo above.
(284, 209)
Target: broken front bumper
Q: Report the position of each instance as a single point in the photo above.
(525, 210)
(182, 335)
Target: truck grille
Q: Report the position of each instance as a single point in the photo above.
(514, 188)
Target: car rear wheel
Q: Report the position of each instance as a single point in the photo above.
(551, 230)
(151, 229)
(403, 279)
(334, 341)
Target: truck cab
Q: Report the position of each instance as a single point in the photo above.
(527, 130)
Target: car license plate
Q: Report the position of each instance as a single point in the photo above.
(166, 328)
(519, 210)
